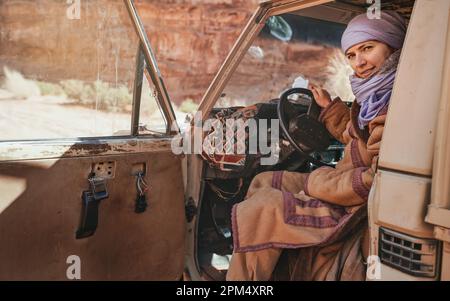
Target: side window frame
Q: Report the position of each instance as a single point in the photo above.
(146, 61)
(52, 148)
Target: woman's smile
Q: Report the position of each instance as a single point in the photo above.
(367, 72)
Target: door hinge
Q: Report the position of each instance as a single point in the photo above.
(190, 209)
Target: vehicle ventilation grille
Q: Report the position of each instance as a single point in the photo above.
(415, 256)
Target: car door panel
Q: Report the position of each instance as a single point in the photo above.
(40, 210)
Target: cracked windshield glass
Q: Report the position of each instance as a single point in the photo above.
(67, 71)
(292, 50)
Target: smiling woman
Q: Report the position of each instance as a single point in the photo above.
(372, 47)
(319, 209)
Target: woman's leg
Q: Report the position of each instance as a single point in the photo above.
(281, 180)
(264, 192)
(255, 266)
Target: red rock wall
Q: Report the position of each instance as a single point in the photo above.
(39, 40)
(191, 38)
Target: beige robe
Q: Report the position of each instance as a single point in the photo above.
(322, 213)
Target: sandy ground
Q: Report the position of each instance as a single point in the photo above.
(49, 117)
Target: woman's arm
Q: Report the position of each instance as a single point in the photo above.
(335, 117)
(348, 187)
(335, 114)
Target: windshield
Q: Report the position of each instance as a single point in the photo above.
(291, 50)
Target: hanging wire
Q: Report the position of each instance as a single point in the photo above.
(142, 186)
(225, 194)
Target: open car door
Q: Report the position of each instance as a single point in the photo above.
(104, 208)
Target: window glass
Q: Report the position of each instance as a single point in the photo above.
(289, 48)
(67, 69)
(151, 119)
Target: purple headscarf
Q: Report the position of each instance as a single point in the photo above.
(390, 29)
(373, 93)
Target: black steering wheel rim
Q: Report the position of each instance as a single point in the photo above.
(313, 111)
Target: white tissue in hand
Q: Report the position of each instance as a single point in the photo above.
(300, 82)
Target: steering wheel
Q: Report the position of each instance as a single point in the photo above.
(303, 130)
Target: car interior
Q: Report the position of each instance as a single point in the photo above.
(304, 143)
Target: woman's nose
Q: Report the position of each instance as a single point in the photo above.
(360, 60)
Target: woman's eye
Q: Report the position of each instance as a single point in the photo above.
(367, 48)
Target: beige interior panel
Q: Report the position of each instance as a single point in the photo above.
(40, 213)
(439, 210)
(408, 139)
(400, 203)
(445, 268)
(391, 274)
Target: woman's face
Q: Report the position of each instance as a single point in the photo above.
(366, 58)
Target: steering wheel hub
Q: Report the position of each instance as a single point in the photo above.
(304, 131)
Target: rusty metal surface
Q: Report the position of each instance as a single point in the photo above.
(13, 151)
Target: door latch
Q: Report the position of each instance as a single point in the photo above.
(90, 202)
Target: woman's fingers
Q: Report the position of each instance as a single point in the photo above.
(320, 93)
(321, 96)
(314, 91)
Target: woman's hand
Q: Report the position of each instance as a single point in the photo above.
(321, 96)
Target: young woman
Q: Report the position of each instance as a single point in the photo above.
(324, 213)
